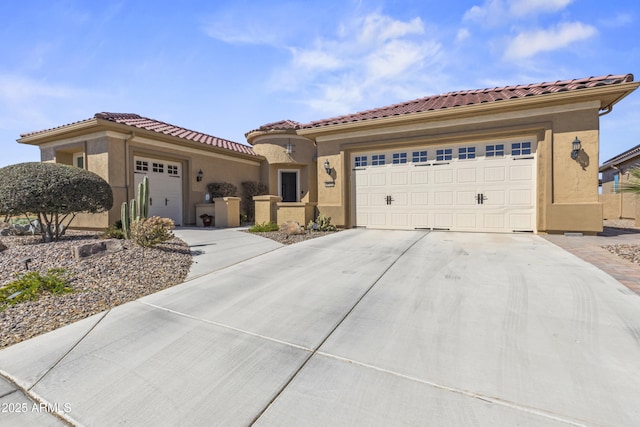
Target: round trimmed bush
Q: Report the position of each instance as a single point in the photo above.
(52, 191)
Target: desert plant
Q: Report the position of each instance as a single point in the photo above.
(52, 192)
(148, 232)
(28, 286)
(137, 209)
(113, 232)
(264, 227)
(222, 189)
(633, 185)
(250, 189)
(322, 223)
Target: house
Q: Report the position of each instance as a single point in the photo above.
(508, 159)
(615, 174)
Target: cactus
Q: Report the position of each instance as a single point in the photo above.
(126, 221)
(137, 209)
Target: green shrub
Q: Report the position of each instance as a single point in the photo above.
(52, 192)
(322, 223)
(264, 227)
(222, 189)
(250, 189)
(28, 286)
(113, 232)
(148, 232)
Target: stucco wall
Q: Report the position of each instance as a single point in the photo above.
(564, 186)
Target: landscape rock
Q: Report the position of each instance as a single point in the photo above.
(292, 228)
(2, 246)
(100, 248)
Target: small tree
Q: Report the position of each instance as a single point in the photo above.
(633, 185)
(54, 192)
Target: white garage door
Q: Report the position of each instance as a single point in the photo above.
(471, 187)
(165, 186)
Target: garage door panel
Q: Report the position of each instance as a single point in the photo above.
(493, 221)
(378, 179)
(494, 197)
(466, 198)
(420, 177)
(467, 220)
(521, 172)
(443, 176)
(443, 198)
(495, 174)
(435, 194)
(165, 186)
(419, 198)
(399, 178)
(521, 197)
(468, 175)
(443, 219)
(400, 220)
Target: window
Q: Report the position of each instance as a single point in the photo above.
(520, 148)
(496, 150)
(78, 160)
(172, 170)
(616, 183)
(444, 154)
(465, 153)
(399, 158)
(419, 156)
(142, 166)
(158, 167)
(377, 160)
(361, 161)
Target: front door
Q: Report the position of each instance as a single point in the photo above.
(289, 186)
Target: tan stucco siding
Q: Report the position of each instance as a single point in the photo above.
(564, 186)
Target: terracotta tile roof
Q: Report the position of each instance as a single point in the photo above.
(145, 123)
(169, 129)
(281, 125)
(471, 97)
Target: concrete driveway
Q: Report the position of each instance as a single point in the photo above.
(363, 327)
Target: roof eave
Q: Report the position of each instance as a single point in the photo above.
(618, 91)
(45, 136)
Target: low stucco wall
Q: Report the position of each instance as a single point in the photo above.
(302, 213)
(578, 217)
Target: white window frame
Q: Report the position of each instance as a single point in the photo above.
(297, 172)
(79, 156)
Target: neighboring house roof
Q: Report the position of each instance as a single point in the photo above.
(471, 97)
(137, 121)
(621, 158)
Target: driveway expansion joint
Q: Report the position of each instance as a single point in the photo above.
(467, 393)
(340, 322)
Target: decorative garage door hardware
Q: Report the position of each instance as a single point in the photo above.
(389, 199)
(480, 198)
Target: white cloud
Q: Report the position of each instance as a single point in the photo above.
(495, 12)
(521, 8)
(528, 44)
(462, 35)
(371, 58)
(16, 89)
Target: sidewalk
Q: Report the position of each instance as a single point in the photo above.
(589, 248)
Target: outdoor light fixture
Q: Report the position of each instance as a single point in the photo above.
(327, 167)
(576, 147)
(26, 262)
(288, 148)
(199, 176)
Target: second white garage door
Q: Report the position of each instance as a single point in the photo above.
(472, 187)
(165, 186)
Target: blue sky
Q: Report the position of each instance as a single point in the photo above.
(227, 67)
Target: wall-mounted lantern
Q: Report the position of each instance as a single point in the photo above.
(576, 146)
(199, 175)
(327, 167)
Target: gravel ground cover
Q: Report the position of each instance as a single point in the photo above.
(286, 239)
(629, 252)
(99, 282)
